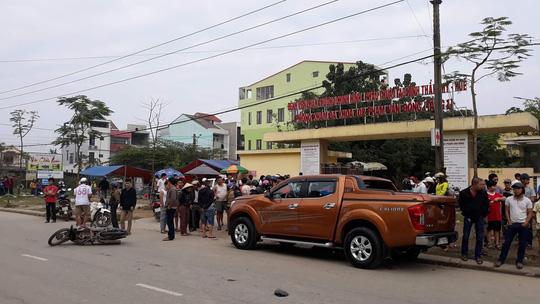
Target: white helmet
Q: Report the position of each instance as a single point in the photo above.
(83, 181)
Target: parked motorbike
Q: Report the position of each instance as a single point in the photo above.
(63, 207)
(156, 206)
(87, 236)
(100, 215)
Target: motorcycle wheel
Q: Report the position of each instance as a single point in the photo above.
(102, 219)
(59, 237)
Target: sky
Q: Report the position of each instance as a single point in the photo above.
(47, 39)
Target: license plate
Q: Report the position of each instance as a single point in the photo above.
(65, 209)
(157, 210)
(442, 241)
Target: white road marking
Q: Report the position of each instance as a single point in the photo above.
(172, 293)
(34, 257)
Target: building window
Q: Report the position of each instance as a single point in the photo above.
(288, 77)
(248, 94)
(249, 118)
(265, 92)
(99, 124)
(315, 74)
(281, 115)
(259, 117)
(101, 156)
(269, 116)
(92, 140)
(269, 145)
(71, 158)
(241, 93)
(259, 144)
(249, 144)
(91, 157)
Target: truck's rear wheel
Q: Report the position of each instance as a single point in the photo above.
(363, 248)
(243, 233)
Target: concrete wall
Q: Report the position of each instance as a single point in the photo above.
(283, 162)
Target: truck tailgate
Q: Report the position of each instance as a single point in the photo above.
(440, 214)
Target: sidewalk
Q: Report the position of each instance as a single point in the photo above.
(508, 268)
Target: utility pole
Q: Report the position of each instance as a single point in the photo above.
(437, 63)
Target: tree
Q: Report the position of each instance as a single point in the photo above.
(22, 125)
(79, 128)
(166, 154)
(154, 107)
(491, 52)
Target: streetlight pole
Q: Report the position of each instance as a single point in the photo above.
(437, 62)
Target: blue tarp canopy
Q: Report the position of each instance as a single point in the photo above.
(128, 171)
(170, 172)
(100, 170)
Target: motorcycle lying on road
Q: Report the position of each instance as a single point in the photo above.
(87, 236)
(63, 208)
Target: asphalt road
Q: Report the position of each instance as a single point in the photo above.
(144, 269)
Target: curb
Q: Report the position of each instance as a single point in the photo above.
(487, 266)
(23, 211)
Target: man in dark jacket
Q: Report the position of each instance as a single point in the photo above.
(206, 200)
(128, 201)
(474, 205)
(171, 204)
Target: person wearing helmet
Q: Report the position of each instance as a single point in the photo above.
(83, 194)
(423, 187)
(519, 215)
(442, 184)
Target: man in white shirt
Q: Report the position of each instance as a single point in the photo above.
(519, 214)
(83, 193)
(220, 197)
(161, 182)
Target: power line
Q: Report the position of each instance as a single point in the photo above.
(172, 52)
(418, 21)
(295, 93)
(213, 56)
(216, 51)
(148, 48)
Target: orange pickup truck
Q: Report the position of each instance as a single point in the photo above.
(365, 216)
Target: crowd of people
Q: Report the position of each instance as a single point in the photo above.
(498, 214)
(199, 205)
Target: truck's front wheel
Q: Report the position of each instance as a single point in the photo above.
(243, 233)
(363, 248)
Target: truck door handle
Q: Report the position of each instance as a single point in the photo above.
(329, 205)
(293, 206)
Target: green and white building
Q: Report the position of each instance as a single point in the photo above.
(273, 115)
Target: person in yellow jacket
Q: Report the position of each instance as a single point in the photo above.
(442, 184)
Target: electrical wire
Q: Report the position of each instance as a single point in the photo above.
(172, 52)
(295, 93)
(147, 49)
(290, 94)
(216, 51)
(213, 56)
(418, 22)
